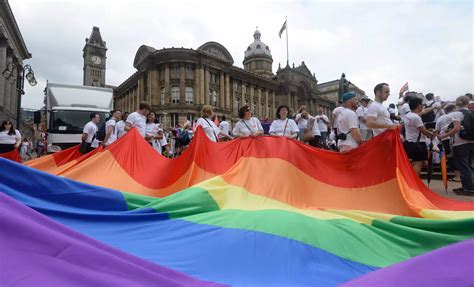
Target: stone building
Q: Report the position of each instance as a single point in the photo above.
(330, 90)
(13, 52)
(179, 81)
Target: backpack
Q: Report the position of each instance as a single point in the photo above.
(184, 138)
(100, 135)
(467, 130)
(429, 117)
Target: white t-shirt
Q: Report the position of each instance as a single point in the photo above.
(242, 127)
(91, 129)
(336, 112)
(210, 128)
(322, 124)
(412, 123)
(120, 126)
(405, 109)
(347, 120)
(224, 127)
(442, 124)
(362, 112)
(5, 138)
(315, 127)
(458, 117)
(302, 122)
(381, 114)
(153, 129)
(278, 127)
(113, 136)
(138, 121)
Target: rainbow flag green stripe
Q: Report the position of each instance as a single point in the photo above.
(379, 244)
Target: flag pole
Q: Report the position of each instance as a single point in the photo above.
(287, 55)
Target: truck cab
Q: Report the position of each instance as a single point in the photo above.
(68, 109)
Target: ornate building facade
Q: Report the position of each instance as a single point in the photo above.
(179, 81)
(13, 52)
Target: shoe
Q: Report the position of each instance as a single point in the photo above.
(462, 191)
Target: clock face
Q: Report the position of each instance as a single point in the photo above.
(96, 60)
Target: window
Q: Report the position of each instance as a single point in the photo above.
(175, 94)
(190, 117)
(189, 95)
(255, 109)
(237, 101)
(189, 73)
(174, 72)
(162, 96)
(259, 47)
(174, 119)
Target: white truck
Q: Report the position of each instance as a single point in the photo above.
(68, 109)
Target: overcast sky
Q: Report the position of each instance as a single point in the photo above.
(427, 43)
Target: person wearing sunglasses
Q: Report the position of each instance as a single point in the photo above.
(248, 125)
(10, 138)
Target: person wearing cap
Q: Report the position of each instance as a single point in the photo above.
(348, 124)
(362, 112)
(138, 119)
(378, 117)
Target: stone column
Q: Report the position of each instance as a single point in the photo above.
(154, 80)
(244, 94)
(182, 84)
(228, 104)
(252, 108)
(197, 86)
(222, 96)
(3, 65)
(273, 104)
(167, 85)
(8, 87)
(207, 77)
(203, 86)
(266, 104)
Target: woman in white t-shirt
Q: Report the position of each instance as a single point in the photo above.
(248, 125)
(153, 132)
(210, 128)
(283, 126)
(10, 138)
(304, 121)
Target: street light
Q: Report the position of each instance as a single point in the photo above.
(22, 73)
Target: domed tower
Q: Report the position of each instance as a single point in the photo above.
(258, 58)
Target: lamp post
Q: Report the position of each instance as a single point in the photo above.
(22, 72)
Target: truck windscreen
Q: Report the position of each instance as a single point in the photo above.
(71, 122)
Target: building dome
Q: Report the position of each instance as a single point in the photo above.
(257, 48)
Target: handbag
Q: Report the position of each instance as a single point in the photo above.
(85, 146)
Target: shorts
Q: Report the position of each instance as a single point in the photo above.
(416, 151)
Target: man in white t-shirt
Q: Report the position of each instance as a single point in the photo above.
(323, 121)
(378, 117)
(362, 112)
(120, 126)
(138, 119)
(334, 117)
(405, 109)
(415, 135)
(348, 124)
(110, 128)
(89, 133)
(224, 126)
(463, 149)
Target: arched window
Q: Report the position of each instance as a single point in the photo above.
(189, 95)
(259, 47)
(175, 94)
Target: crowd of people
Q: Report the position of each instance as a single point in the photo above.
(426, 126)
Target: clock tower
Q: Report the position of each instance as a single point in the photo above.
(94, 60)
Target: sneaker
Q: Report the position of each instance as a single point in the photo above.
(461, 191)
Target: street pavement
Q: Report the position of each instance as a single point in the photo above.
(438, 187)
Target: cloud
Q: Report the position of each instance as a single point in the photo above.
(428, 44)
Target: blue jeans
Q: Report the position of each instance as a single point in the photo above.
(323, 138)
(464, 161)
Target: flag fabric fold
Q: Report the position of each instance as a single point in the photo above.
(282, 29)
(261, 211)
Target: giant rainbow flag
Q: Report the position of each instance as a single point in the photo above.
(262, 211)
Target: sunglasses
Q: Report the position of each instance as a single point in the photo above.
(8, 124)
(247, 110)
